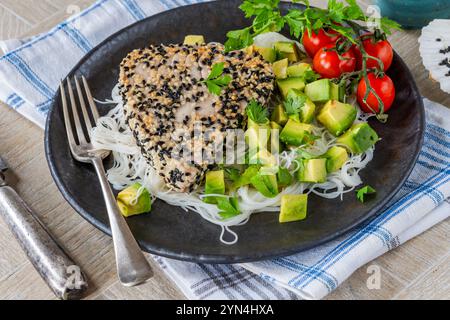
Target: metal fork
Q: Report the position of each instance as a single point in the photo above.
(132, 266)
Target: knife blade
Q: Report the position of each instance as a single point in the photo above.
(58, 270)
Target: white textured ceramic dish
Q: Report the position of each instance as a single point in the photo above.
(435, 51)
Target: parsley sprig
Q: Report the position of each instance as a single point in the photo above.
(229, 207)
(216, 80)
(257, 112)
(339, 16)
(232, 174)
(267, 16)
(361, 193)
(294, 104)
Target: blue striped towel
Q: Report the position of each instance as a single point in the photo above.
(31, 70)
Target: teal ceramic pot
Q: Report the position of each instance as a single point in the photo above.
(414, 13)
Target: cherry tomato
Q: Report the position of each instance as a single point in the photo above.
(381, 50)
(328, 64)
(318, 40)
(383, 86)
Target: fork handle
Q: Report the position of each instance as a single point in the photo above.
(132, 266)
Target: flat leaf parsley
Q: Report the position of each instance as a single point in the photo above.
(216, 80)
(257, 113)
(361, 193)
(228, 206)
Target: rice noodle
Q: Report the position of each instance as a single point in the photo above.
(112, 133)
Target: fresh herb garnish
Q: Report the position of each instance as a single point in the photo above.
(387, 25)
(238, 39)
(361, 193)
(257, 112)
(267, 17)
(310, 76)
(232, 174)
(339, 16)
(216, 81)
(229, 207)
(294, 104)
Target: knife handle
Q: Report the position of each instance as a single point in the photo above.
(60, 273)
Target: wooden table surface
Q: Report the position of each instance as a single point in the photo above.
(419, 269)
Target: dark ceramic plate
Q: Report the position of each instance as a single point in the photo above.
(171, 232)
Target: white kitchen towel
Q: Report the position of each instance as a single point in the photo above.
(30, 72)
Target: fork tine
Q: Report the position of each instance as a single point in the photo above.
(66, 116)
(76, 118)
(90, 100)
(87, 120)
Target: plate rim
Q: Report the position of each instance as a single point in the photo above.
(217, 258)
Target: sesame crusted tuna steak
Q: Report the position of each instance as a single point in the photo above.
(165, 94)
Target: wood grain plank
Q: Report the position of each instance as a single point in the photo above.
(61, 4)
(433, 285)
(416, 256)
(58, 16)
(12, 26)
(25, 284)
(9, 262)
(33, 11)
(157, 288)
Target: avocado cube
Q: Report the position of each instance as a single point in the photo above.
(252, 124)
(134, 200)
(244, 179)
(284, 177)
(263, 157)
(280, 68)
(337, 117)
(307, 111)
(269, 169)
(194, 40)
(295, 117)
(257, 136)
(337, 92)
(275, 126)
(319, 91)
(267, 185)
(336, 157)
(292, 57)
(294, 133)
(293, 207)
(285, 46)
(298, 69)
(215, 184)
(269, 54)
(290, 83)
(287, 50)
(359, 138)
(312, 170)
(279, 115)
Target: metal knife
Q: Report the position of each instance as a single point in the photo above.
(57, 269)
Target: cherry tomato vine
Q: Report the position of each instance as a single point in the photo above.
(338, 19)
